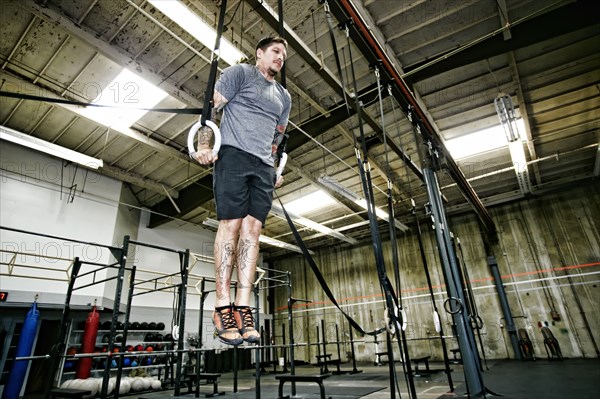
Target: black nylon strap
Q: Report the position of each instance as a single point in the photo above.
(82, 104)
(335, 52)
(281, 27)
(212, 75)
(320, 277)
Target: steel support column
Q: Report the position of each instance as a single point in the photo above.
(456, 299)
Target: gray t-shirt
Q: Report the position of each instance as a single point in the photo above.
(255, 107)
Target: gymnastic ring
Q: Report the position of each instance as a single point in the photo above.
(192, 134)
(476, 322)
(437, 323)
(389, 326)
(281, 165)
(404, 321)
(448, 308)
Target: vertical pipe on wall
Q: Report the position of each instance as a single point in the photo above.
(508, 318)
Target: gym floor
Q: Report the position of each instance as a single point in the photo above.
(569, 378)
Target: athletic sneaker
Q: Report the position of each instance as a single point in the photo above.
(226, 326)
(245, 323)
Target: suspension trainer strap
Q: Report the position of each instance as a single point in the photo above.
(365, 177)
(309, 259)
(212, 75)
(404, 352)
(281, 34)
(329, 18)
(391, 301)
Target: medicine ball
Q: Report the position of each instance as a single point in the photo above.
(149, 337)
(106, 325)
(158, 337)
(144, 325)
(160, 326)
(126, 362)
(134, 362)
(152, 326)
(119, 325)
(139, 348)
(72, 350)
(135, 325)
(149, 348)
(168, 338)
(106, 338)
(160, 347)
(129, 348)
(119, 338)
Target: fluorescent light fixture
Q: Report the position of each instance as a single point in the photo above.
(126, 91)
(508, 121)
(506, 113)
(334, 185)
(479, 142)
(199, 29)
(27, 140)
(264, 239)
(310, 202)
(277, 210)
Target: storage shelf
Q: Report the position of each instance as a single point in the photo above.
(116, 369)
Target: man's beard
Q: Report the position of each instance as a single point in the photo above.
(272, 71)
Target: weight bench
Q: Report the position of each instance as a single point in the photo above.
(416, 361)
(211, 378)
(69, 393)
(302, 378)
(455, 359)
(324, 363)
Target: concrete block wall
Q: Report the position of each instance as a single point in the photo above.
(548, 253)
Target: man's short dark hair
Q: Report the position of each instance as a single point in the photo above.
(267, 41)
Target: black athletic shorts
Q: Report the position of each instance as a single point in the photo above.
(243, 185)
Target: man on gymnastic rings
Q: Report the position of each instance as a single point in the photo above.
(256, 109)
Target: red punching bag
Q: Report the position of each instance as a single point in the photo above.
(88, 343)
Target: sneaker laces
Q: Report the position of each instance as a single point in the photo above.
(228, 320)
(247, 319)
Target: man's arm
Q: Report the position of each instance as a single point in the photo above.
(205, 134)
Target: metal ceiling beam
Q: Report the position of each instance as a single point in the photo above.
(116, 54)
(573, 16)
(373, 51)
(189, 199)
(337, 114)
(351, 205)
